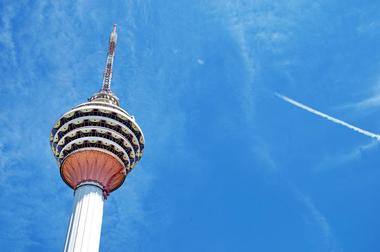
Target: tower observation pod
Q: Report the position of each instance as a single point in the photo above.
(96, 144)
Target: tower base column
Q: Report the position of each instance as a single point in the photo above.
(86, 219)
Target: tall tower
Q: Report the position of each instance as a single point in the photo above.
(96, 144)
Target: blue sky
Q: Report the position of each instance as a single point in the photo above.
(228, 166)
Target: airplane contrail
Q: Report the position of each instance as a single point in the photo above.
(330, 118)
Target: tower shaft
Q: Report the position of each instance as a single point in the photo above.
(86, 219)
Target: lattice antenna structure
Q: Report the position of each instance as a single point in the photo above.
(107, 76)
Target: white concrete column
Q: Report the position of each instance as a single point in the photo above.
(85, 225)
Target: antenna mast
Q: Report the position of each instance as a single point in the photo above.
(107, 76)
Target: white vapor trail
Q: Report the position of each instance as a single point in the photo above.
(330, 118)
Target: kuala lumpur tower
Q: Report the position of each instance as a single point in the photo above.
(96, 144)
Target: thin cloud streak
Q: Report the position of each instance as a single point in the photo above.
(330, 118)
(329, 239)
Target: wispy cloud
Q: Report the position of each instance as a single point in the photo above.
(317, 218)
(340, 159)
(357, 152)
(330, 118)
(367, 103)
(261, 28)
(6, 36)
